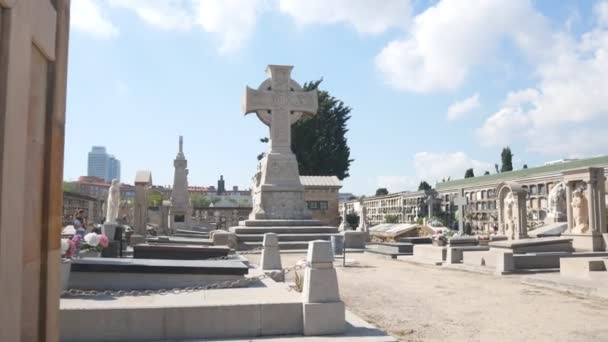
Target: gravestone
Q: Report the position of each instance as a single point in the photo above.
(279, 102)
(178, 252)
(512, 211)
(277, 193)
(179, 212)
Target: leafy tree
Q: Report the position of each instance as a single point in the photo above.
(319, 142)
(469, 173)
(525, 166)
(391, 219)
(199, 201)
(496, 167)
(155, 198)
(424, 186)
(486, 173)
(507, 160)
(70, 186)
(352, 220)
(381, 192)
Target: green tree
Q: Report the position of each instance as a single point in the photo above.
(70, 186)
(155, 198)
(319, 141)
(352, 220)
(391, 219)
(424, 186)
(469, 173)
(486, 173)
(381, 192)
(199, 201)
(496, 167)
(507, 160)
(525, 166)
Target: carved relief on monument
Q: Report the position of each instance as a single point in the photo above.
(508, 219)
(557, 202)
(580, 212)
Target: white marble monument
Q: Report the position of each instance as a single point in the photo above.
(113, 203)
(586, 208)
(279, 102)
(512, 215)
(179, 212)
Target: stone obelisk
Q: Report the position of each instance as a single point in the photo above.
(179, 212)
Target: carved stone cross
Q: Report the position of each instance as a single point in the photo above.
(279, 102)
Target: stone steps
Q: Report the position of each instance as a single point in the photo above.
(286, 237)
(284, 230)
(283, 245)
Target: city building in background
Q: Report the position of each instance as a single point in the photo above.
(103, 165)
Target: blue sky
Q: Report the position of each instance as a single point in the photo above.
(436, 87)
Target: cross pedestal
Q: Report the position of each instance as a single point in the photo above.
(279, 102)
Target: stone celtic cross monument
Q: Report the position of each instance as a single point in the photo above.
(279, 102)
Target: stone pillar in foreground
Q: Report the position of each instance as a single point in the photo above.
(324, 312)
(143, 181)
(271, 258)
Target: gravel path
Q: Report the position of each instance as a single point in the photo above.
(427, 303)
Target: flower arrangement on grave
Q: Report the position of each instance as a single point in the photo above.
(68, 248)
(442, 235)
(92, 242)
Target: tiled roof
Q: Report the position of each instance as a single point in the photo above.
(324, 181)
(524, 173)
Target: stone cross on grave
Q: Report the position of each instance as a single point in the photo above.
(280, 102)
(461, 202)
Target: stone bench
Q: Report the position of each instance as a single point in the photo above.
(392, 249)
(179, 252)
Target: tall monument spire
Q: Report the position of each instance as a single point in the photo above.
(180, 153)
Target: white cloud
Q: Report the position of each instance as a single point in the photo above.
(233, 20)
(364, 15)
(460, 109)
(563, 113)
(450, 38)
(601, 11)
(87, 16)
(434, 167)
(163, 14)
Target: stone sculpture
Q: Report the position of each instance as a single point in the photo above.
(557, 202)
(113, 203)
(508, 212)
(580, 212)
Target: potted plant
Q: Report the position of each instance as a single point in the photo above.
(68, 249)
(91, 245)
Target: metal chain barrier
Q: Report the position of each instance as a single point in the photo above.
(177, 290)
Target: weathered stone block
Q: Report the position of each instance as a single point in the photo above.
(355, 239)
(324, 318)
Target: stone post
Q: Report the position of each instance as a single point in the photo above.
(271, 258)
(324, 312)
(569, 205)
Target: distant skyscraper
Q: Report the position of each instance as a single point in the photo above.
(103, 165)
